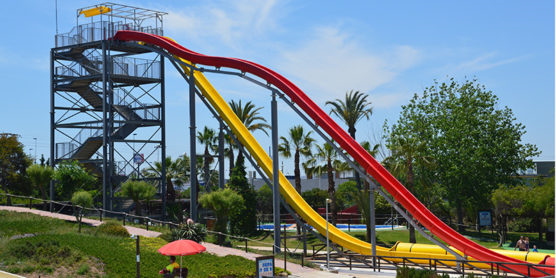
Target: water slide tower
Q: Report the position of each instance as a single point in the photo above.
(107, 99)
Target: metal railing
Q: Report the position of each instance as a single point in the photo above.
(101, 30)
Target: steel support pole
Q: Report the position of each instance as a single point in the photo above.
(104, 126)
(163, 136)
(221, 181)
(372, 213)
(327, 237)
(275, 174)
(192, 147)
(52, 127)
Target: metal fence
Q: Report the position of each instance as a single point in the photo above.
(101, 30)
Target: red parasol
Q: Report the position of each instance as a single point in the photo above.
(182, 247)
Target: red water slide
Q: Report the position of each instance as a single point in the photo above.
(338, 134)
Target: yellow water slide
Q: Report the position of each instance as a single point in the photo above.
(291, 196)
(400, 193)
(295, 200)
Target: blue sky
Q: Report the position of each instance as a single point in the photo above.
(388, 49)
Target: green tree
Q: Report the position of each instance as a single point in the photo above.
(475, 145)
(405, 154)
(71, 177)
(299, 143)
(244, 222)
(264, 200)
(316, 198)
(250, 115)
(138, 191)
(327, 153)
(40, 176)
(345, 193)
(208, 138)
(224, 202)
(80, 201)
(13, 162)
(353, 108)
(177, 173)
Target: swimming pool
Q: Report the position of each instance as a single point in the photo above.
(339, 226)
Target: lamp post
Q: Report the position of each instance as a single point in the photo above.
(328, 201)
(137, 256)
(35, 157)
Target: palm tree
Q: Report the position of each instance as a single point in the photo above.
(405, 154)
(209, 139)
(328, 154)
(351, 110)
(176, 172)
(248, 114)
(363, 200)
(299, 143)
(309, 167)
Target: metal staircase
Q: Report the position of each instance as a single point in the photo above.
(107, 102)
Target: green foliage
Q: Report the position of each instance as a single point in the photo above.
(83, 199)
(473, 144)
(345, 193)
(13, 162)
(138, 191)
(224, 203)
(40, 177)
(407, 272)
(353, 108)
(192, 231)
(83, 269)
(71, 177)
(243, 222)
(114, 256)
(264, 200)
(298, 144)
(316, 198)
(14, 223)
(177, 173)
(112, 228)
(38, 255)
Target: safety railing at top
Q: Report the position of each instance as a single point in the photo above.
(101, 30)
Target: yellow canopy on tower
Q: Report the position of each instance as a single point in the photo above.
(95, 11)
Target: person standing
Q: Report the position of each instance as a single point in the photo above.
(526, 243)
(520, 244)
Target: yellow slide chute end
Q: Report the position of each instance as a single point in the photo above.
(95, 11)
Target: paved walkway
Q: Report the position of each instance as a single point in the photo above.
(295, 269)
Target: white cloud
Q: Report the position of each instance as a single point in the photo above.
(332, 63)
(223, 22)
(389, 100)
(486, 62)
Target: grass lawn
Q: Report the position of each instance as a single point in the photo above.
(53, 248)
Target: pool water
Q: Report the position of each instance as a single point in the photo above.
(339, 226)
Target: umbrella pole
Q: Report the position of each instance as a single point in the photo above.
(181, 266)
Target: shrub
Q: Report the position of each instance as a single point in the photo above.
(195, 232)
(407, 272)
(113, 228)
